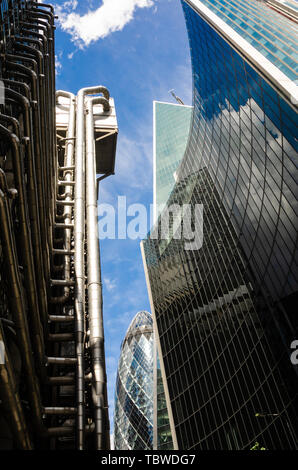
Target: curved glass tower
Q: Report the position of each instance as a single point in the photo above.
(133, 428)
(226, 314)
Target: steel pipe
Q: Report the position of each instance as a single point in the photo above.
(67, 213)
(30, 280)
(62, 360)
(59, 410)
(79, 238)
(18, 310)
(96, 339)
(40, 178)
(11, 401)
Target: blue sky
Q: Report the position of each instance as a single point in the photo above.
(139, 50)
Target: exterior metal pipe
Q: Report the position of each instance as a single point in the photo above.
(96, 339)
(18, 310)
(44, 116)
(59, 410)
(43, 5)
(62, 360)
(40, 114)
(68, 430)
(34, 16)
(11, 401)
(19, 172)
(39, 166)
(79, 239)
(34, 218)
(68, 162)
(47, 120)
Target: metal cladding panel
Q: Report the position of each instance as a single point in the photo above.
(105, 124)
(105, 150)
(62, 113)
(106, 120)
(105, 133)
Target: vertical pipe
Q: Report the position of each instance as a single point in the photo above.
(11, 401)
(68, 162)
(96, 338)
(18, 309)
(79, 240)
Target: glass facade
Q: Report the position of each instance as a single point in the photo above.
(171, 129)
(141, 416)
(226, 314)
(133, 428)
(268, 31)
(164, 435)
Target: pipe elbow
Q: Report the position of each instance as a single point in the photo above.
(64, 94)
(94, 90)
(101, 100)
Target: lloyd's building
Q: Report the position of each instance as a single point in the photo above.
(225, 314)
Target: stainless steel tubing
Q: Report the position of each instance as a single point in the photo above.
(96, 339)
(79, 239)
(59, 410)
(40, 144)
(18, 310)
(27, 252)
(67, 213)
(37, 332)
(11, 401)
(48, 110)
(23, 85)
(49, 15)
(62, 360)
(44, 86)
(43, 267)
(61, 318)
(68, 430)
(43, 5)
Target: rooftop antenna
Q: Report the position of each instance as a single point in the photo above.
(179, 100)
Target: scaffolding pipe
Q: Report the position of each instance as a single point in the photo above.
(96, 339)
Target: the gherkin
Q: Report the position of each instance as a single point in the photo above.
(134, 387)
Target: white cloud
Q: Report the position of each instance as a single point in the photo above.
(58, 63)
(135, 156)
(109, 283)
(111, 16)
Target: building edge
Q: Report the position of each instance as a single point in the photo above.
(159, 351)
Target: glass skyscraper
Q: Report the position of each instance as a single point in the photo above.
(171, 124)
(226, 314)
(141, 418)
(133, 429)
(163, 436)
